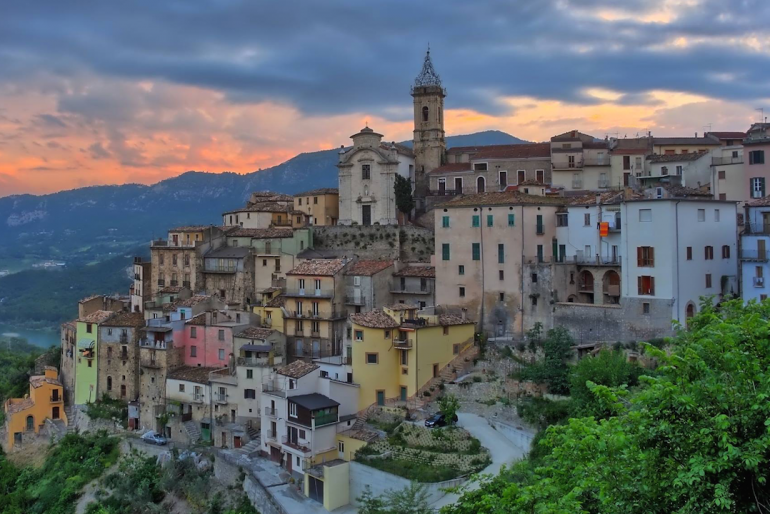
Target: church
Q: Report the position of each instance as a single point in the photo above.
(368, 169)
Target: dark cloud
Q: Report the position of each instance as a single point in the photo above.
(97, 151)
(49, 121)
(348, 55)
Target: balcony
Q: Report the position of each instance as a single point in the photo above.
(186, 284)
(216, 268)
(756, 229)
(269, 411)
(199, 398)
(403, 344)
(274, 389)
(155, 345)
(566, 165)
(540, 230)
(591, 260)
(325, 419)
(57, 398)
(281, 223)
(174, 283)
(295, 445)
(355, 300)
(220, 398)
(753, 255)
(161, 283)
(254, 362)
(397, 288)
(163, 243)
(315, 333)
(723, 161)
(270, 435)
(597, 161)
(759, 281)
(309, 293)
(309, 314)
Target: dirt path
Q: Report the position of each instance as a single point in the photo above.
(89, 491)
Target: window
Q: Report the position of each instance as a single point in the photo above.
(646, 285)
(645, 308)
(645, 256)
(679, 169)
(490, 220)
(480, 166)
(340, 447)
(757, 157)
(626, 162)
(249, 373)
(359, 335)
(540, 176)
(89, 327)
(366, 171)
(181, 388)
(725, 251)
(193, 351)
(221, 335)
(221, 354)
(292, 409)
(758, 187)
(372, 358)
(723, 196)
(534, 278)
(404, 358)
(501, 297)
(709, 253)
(475, 222)
(502, 274)
(721, 174)
(716, 214)
(645, 215)
(476, 250)
(540, 229)
(161, 256)
(701, 214)
(503, 180)
(511, 220)
(501, 253)
(300, 201)
(562, 219)
(461, 270)
(174, 260)
(689, 253)
(250, 394)
(462, 293)
(315, 200)
(708, 280)
(587, 220)
(540, 257)
(425, 113)
(445, 222)
(445, 251)
(109, 383)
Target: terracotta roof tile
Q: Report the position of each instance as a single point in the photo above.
(453, 167)
(194, 300)
(318, 267)
(453, 319)
(170, 290)
(361, 434)
(125, 319)
(759, 202)
(416, 271)
(608, 197)
(520, 151)
(38, 380)
(374, 319)
(191, 374)
(20, 405)
(320, 191)
(262, 233)
(278, 301)
(255, 333)
(368, 268)
(297, 369)
(96, 317)
(401, 307)
(692, 156)
(727, 135)
(191, 228)
(702, 141)
(503, 198)
(678, 191)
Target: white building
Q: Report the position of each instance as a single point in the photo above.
(676, 251)
(685, 169)
(302, 414)
(755, 242)
(578, 230)
(367, 177)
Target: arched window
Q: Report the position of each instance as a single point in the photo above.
(481, 185)
(690, 312)
(30, 423)
(425, 113)
(109, 383)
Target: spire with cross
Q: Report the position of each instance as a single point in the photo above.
(428, 75)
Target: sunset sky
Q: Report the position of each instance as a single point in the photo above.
(102, 92)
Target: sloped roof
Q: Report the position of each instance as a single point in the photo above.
(38, 380)
(520, 151)
(255, 333)
(702, 141)
(297, 369)
(727, 135)
(96, 317)
(676, 157)
(320, 191)
(368, 268)
(313, 401)
(190, 228)
(125, 319)
(262, 233)
(374, 319)
(760, 202)
(318, 267)
(416, 271)
(503, 198)
(191, 374)
(454, 167)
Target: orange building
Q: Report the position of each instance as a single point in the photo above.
(27, 415)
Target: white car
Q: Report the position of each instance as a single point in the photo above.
(154, 438)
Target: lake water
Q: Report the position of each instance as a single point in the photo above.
(41, 338)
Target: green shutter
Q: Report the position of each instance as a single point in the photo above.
(501, 253)
(476, 222)
(490, 220)
(476, 251)
(461, 270)
(445, 222)
(762, 183)
(511, 220)
(445, 251)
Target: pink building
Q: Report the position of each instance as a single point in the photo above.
(756, 161)
(207, 339)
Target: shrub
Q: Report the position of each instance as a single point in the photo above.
(477, 379)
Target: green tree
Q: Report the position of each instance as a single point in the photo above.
(403, 192)
(554, 368)
(448, 404)
(410, 500)
(609, 368)
(693, 438)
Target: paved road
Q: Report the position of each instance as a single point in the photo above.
(502, 450)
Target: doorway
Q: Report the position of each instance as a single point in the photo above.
(761, 250)
(30, 423)
(237, 441)
(435, 370)
(366, 215)
(55, 413)
(380, 398)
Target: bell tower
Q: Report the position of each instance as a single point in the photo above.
(429, 144)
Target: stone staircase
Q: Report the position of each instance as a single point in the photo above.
(70, 413)
(253, 432)
(192, 430)
(250, 447)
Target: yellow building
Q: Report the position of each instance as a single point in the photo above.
(25, 416)
(269, 309)
(322, 206)
(397, 351)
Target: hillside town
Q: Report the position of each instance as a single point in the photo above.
(283, 332)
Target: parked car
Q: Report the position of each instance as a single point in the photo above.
(438, 420)
(152, 437)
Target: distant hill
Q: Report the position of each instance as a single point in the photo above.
(93, 223)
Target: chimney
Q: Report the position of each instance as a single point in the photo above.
(464, 314)
(598, 199)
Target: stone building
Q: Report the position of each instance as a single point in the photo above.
(367, 176)
(429, 142)
(414, 284)
(118, 367)
(367, 285)
(322, 206)
(580, 162)
(141, 287)
(157, 356)
(229, 272)
(265, 209)
(68, 337)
